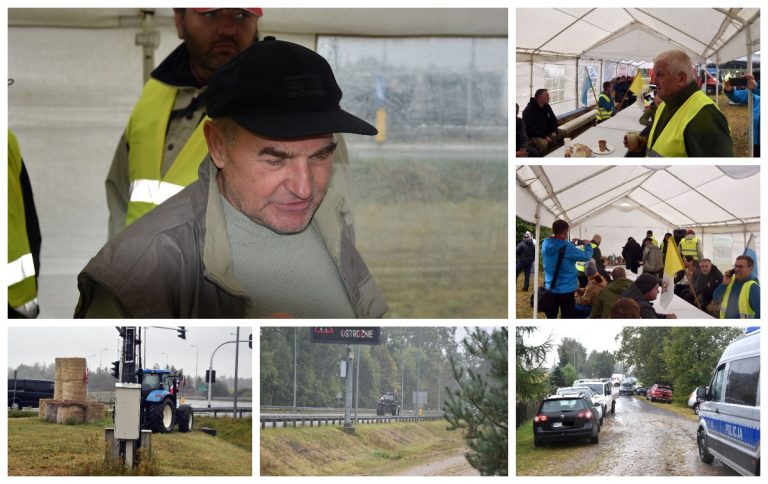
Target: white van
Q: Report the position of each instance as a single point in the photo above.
(729, 415)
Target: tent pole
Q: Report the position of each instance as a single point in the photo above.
(717, 79)
(536, 246)
(750, 100)
(530, 82)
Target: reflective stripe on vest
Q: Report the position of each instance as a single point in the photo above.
(688, 247)
(146, 137)
(153, 191)
(20, 271)
(745, 310)
(671, 141)
(603, 114)
(580, 265)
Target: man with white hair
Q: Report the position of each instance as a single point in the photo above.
(687, 123)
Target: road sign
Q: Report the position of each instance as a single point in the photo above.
(345, 335)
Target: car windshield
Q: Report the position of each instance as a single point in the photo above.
(563, 405)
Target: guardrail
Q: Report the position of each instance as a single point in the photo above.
(304, 420)
(223, 410)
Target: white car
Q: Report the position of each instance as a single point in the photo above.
(694, 401)
(597, 400)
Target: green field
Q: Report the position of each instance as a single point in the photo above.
(434, 235)
(376, 449)
(38, 448)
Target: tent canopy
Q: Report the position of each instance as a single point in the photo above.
(622, 201)
(637, 33)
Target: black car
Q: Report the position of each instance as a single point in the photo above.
(27, 393)
(565, 417)
(641, 390)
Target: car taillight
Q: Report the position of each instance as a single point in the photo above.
(587, 414)
(540, 418)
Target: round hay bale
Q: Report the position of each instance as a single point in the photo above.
(94, 412)
(74, 390)
(70, 414)
(41, 407)
(51, 409)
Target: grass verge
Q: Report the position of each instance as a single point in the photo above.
(38, 448)
(376, 449)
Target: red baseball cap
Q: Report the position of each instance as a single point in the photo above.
(256, 11)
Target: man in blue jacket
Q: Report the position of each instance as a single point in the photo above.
(567, 282)
(741, 96)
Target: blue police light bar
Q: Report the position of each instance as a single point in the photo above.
(346, 335)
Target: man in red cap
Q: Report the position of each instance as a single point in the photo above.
(163, 144)
(690, 245)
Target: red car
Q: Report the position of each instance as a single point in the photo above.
(659, 392)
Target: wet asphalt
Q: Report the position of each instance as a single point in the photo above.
(640, 439)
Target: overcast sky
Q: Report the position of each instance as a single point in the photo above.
(44, 344)
(598, 338)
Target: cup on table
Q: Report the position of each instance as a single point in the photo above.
(603, 145)
(632, 140)
(566, 142)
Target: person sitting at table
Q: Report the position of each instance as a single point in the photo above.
(643, 291)
(585, 297)
(605, 106)
(523, 148)
(541, 123)
(624, 308)
(602, 304)
(684, 281)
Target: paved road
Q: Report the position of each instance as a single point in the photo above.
(640, 439)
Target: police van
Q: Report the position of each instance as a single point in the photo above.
(729, 415)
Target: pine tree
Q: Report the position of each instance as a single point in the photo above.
(479, 403)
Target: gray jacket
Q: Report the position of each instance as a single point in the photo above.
(175, 262)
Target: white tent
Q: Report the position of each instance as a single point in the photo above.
(720, 203)
(555, 47)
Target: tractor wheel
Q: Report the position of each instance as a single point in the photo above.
(186, 418)
(161, 416)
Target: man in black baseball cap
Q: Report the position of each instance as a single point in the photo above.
(259, 234)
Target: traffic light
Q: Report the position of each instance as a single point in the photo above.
(250, 340)
(210, 376)
(116, 369)
(182, 332)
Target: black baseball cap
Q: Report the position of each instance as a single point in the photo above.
(280, 89)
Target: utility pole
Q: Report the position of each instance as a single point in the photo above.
(237, 355)
(418, 377)
(295, 330)
(402, 379)
(348, 427)
(197, 354)
(357, 381)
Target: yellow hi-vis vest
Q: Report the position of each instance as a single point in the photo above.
(670, 142)
(580, 265)
(688, 247)
(146, 137)
(745, 310)
(603, 114)
(20, 272)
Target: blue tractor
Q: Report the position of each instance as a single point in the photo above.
(160, 410)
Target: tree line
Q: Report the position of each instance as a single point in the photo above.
(681, 356)
(405, 359)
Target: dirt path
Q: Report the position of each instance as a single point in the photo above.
(452, 465)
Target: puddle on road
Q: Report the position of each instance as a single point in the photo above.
(639, 440)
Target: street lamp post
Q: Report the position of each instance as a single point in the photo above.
(101, 356)
(197, 353)
(166, 360)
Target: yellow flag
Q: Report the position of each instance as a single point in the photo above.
(672, 264)
(637, 83)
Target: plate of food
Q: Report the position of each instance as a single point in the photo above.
(578, 150)
(602, 148)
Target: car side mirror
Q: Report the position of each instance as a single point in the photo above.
(701, 393)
